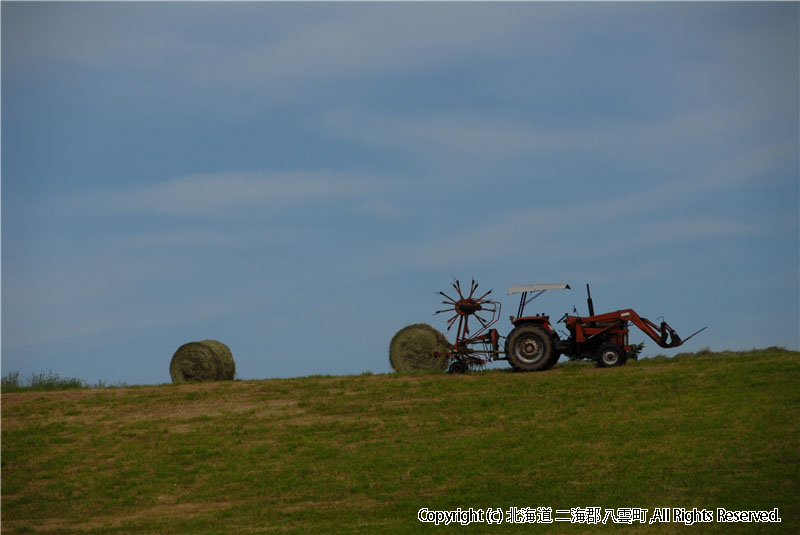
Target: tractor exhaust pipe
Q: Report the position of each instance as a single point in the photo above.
(589, 300)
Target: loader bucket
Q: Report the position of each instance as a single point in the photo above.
(669, 332)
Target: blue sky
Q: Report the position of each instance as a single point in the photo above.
(298, 180)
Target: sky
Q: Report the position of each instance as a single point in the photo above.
(299, 180)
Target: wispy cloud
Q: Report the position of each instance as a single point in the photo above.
(213, 238)
(264, 45)
(224, 194)
(386, 209)
(496, 135)
(34, 328)
(341, 42)
(435, 133)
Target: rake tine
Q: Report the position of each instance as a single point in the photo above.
(484, 295)
(460, 293)
(447, 296)
(451, 321)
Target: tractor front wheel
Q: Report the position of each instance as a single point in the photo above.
(611, 355)
(529, 348)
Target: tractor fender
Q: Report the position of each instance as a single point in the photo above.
(541, 321)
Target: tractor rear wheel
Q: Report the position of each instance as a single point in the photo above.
(610, 355)
(529, 348)
(553, 360)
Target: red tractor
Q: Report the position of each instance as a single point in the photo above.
(533, 344)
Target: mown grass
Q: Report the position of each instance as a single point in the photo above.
(363, 454)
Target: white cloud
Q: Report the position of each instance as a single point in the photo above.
(495, 135)
(33, 328)
(385, 210)
(347, 41)
(222, 195)
(212, 237)
(257, 43)
(616, 227)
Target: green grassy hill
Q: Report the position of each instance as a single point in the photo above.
(364, 454)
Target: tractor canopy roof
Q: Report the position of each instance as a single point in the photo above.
(536, 288)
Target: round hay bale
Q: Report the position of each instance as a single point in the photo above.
(413, 348)
(227, 367)
(209, 360)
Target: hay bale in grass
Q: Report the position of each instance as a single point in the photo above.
(227, 366)
(209, 360)
(413, 348)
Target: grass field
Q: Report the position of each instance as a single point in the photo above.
(364, 454)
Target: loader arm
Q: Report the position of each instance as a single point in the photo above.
(664, 335)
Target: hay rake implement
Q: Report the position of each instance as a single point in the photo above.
(480, 347)
(533, 344)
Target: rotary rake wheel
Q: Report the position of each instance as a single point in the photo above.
(464, 353)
